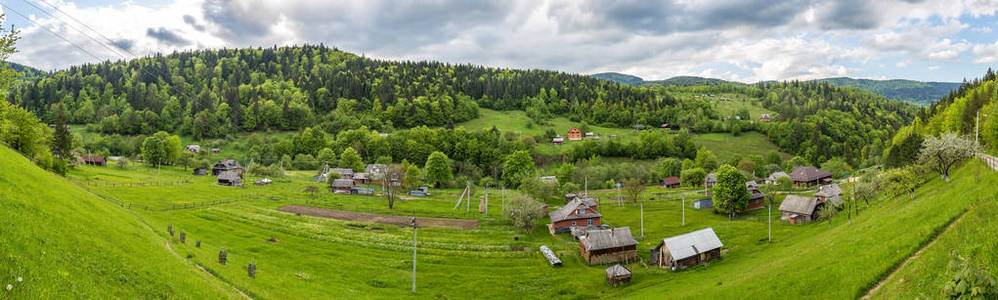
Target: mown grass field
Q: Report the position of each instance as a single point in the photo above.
(726, 146)
(315, 257)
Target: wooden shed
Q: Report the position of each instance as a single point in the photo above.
(342, 186)
(682, 251)
(799, 209)
(230, 178)
(670, 182)
(757, 199)
(617, 275)
(704, 203)
(607, 246)
(94, 160)
(344, 172)
(226, 165)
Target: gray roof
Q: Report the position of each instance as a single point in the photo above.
(548, 178)
(832, 192)
(608, 238)
(777, 175)
(342, 171)
(693, 243)
(228, 175)
(342, 183)
(809, 173)
(799, 204)
(360, 176)
(710, 178)
(228, 164)
(617, 270)
(565, 212)
(374, 168)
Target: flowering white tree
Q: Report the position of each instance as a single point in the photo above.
(943, 152)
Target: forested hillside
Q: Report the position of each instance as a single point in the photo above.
(214, 92)
(918, 92)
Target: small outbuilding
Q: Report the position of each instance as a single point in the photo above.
(200, 171)
(773, 178)
(799, 209)
(682, 251)
(670, 182)
(558, 141)
(704, 203)
(194, 148)
(757, 199)
(94, 160)
(617, 275)
(342, 186)
(361, 191)
(264, 181)
(607, 246)
(361, 178)
(230, 178)
(830, 194)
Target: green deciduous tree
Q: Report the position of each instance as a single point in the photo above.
(517, 167)
(706, 160)
(730, 194)
(669, 166)
(438, 168)
(350, 159)
(693, 177)
(522, 210)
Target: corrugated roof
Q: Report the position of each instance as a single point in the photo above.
(565, 212)
(608, 238)
(228, 175)
(799, 204)
(829, 190)
(342, 171)
(670, 180)
(693, 243)
(342, 183)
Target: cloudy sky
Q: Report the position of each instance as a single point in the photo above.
(751, 40)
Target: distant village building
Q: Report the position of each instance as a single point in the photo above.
(215, 150)
(591, 135)
(577, 212)
(94, 160)
(361, 191)
(710, 180)
(550, 179)
(194, 148)
(757, 199)
(200, 171)
(617, 275)
(344, 172)
(607, 246)
(765, 118)
(375, 172)
(226, 165)
(808, 176)
(773, 178)
(639, 126)
(683, 251)
(574, 134)
(670, 182)
(557, 141)
(264, 181)
(230, 178)
(830, 193)
(799, 209)
(361, 178)
(342, 186)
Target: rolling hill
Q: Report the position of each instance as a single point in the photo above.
(60, 241)
(916, 92)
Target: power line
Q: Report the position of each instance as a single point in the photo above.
(74, 28)
(88, 27)
(7, 6)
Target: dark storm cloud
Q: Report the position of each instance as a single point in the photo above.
(167, 37)
(124, 44)
(240, 20)
(189, 20)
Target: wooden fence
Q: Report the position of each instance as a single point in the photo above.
(991, 161)
(91, 182)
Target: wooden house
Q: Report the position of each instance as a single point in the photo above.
(799, 209)
(590, 135)
(230, 178)
(194, 148)
(830, 194)
(94, 160)
(574, 134)
(710, 180)
(617, 275)
(200, 171)
(577, 212)
(375, 173)
(226, 165)
(342, 186)
(808, 176)
(607, 246)
(361, 178)
(680, 252)
(757, 199)
(344, 172)
(670, 182)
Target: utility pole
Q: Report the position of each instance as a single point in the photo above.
(770, 217)
(852, 199)
(587, 186)
(486, 201)
(619, 199)
(684, 209)
(642, 218)
(414, 254)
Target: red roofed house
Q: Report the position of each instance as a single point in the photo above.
(578, 212)
(670, 182)
(94, 160)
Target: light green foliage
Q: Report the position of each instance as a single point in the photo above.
(730, 194)
(122, 163)
(522, 211)
(706, 160)
(838, 166)
(438, 169)
(969, 281)
(327, 156)
(517, 167)
(384, 160)
(570, 187)
(351, 160)
(784, 184)
(899, 182)
(693, 177)
(827, 212)
(413, 177)
(669, 166)
(565, 173)
(773, 157)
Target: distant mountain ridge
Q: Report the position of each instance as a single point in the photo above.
(916, 92)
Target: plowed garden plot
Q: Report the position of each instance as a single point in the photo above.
(377, 218)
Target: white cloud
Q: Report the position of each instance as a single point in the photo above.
(986, 53)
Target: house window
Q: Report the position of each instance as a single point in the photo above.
(573, 223)
(590, 222)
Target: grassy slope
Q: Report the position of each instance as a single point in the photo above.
(67, 243)
(842, 262)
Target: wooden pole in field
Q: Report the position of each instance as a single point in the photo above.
(684, 209)
(413, 254)
(770, 218)
(642, 218)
